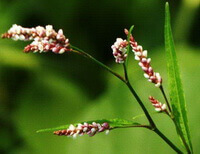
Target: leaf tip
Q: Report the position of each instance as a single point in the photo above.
(131, 28)
(167, 4)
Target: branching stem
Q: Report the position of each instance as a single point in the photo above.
(152, 125)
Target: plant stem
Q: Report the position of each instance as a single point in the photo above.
(164, 95)
(77, 50)
(152, 124)
(126, 81)
(141, 105)
(157, 131)
(125, 72)
(134, 126)
(138, 98)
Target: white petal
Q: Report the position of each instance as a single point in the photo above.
(107, 132)
(75, 135)
(49, 27)
(158, 84)
(93, 130)
(138, 53)
(144, 53)
(146, 75)
(164, 107)
(139, 47)
(144, 60)
(144, 68)
(85, 129)
(148, 60)
(62, 51)
(137, 58)
(158, 109)
(72, 127)
(22, 37)
(60, 32)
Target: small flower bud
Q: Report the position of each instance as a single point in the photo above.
(158, 105)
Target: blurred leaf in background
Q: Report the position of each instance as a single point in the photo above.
(47, 90)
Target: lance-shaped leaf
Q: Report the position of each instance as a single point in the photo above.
(113, 123)
(177, 98)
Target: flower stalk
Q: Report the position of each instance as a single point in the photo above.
(165, 97)
(83, 53)
(144, 61)
(126, 81)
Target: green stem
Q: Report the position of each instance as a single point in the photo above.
(152, 124)
(157, 131)
(133, 126)
(125, 72)
(98, 62)
(138, 98)
(126, 81)
(141, 105)
(165, 97)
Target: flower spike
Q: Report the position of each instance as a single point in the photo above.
(44, 38)
(158, 105)
(119, 50)
(81, 129)
(144, 62)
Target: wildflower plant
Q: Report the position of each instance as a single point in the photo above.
(45, 39)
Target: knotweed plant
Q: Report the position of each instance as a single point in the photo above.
(46, 39)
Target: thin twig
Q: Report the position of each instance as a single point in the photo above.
(81, 52)
(157, 131)
(164, 95)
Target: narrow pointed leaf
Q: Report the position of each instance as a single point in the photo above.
(143, 115)
(177, 97)
(113, 123)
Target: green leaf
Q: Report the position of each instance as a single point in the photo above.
(143, 115)
(113, 123)
(129, 47)
(177, 98)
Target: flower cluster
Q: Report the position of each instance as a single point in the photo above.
(44, 39)
(81, 129)
(158, 105)
(144, 62)
(119, 50)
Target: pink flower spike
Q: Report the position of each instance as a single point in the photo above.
(44, 38)
(45, 46)
(144, 62)
(119, 50)
(85, 128)
(158, 105)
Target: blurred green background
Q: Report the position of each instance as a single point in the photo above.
(47, 90)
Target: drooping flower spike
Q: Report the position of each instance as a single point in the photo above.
(144, 62)
(44, 39)
(120, 50)
(158, 105)
(81, 129)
